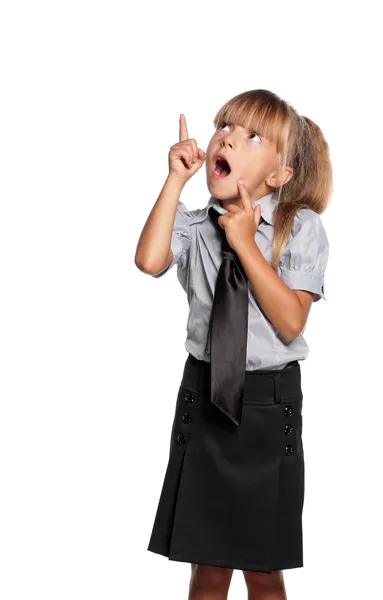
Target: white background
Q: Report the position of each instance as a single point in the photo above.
(92, 350)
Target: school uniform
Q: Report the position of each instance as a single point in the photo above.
(233, 496)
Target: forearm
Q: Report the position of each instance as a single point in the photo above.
(154, 243)
(277, 300)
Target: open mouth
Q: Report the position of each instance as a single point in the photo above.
(222, 168)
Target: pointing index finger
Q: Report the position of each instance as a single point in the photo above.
(245, 196)
(183, 129)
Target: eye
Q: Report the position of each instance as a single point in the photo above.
(223, 123)
(257, 134)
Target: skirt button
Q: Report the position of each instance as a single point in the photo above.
(189, 398)
(288, 428)
(180, 439)
(186, 418)
(288, 449)
(288, 411)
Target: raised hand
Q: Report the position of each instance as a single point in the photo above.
(185, 158)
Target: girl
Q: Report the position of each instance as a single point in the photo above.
(233, 492)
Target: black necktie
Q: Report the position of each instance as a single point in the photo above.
(228, 331)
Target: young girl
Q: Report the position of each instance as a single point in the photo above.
(233, 492)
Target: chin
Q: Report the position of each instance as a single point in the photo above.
(222, 190)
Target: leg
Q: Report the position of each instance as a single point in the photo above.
(209, 583)
(265, 586)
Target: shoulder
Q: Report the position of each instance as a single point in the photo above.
(308, 223)
(192, 217)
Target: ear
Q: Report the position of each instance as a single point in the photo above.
(276, 181)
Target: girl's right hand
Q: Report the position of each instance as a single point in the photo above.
(185, 158)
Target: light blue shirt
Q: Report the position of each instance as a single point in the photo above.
(196, 246)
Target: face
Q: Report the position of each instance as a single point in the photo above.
(250, 156)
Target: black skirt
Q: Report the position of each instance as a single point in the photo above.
(233, 496)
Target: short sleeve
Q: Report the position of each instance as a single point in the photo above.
(304, 259)
(181, 239)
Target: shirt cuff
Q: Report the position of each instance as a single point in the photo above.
(303, 280)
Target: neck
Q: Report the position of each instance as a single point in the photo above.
(238, 201)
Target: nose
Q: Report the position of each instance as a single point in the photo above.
(229, 140)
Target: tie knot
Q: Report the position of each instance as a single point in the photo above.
(214, 216)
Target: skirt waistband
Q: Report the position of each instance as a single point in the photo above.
(261, 386)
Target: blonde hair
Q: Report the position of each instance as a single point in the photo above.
(299, 143)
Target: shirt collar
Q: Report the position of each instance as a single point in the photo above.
(267, 202)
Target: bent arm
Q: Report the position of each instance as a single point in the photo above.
(281, 304)
(153, 253)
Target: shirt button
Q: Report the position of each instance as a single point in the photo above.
(180, 439)
(288, 428)
(288, 411)
(288, 449)
(189, 398)
(186, 418)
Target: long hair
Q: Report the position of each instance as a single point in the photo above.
(299, 144)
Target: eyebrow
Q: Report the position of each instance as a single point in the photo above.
(252, 130)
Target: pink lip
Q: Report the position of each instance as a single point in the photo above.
(214, 175)
(222, 155)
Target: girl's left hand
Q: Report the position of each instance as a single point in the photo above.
(241, 224)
